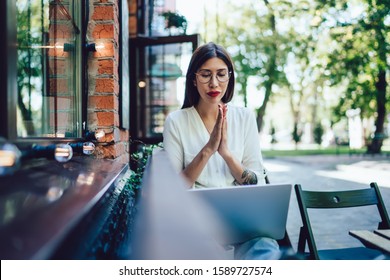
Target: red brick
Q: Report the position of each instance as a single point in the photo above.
(132, 7)
(110, 151)
(105, 50)
(106, 66)
(107, 118)
(104, 102)
(103, 1)
(103, 31)
(133, 26)
(107, 85)
(103, 13)
(108, 138)
(124, 135)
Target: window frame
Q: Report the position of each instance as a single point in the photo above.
(9, 72)
(8, 68)
(138, 53)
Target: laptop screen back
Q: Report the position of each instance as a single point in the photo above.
(249, 211)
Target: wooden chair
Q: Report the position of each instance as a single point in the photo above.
(337, 199)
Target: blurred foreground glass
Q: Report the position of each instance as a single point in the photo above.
(88, 148)
(10, 157)
(48, 69)
(63, 152)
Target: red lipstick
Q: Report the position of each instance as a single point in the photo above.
(213, 93)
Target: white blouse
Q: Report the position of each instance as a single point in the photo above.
(185, 135)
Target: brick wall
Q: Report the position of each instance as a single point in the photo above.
(103, 77)
(104, 80)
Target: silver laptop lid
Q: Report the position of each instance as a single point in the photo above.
(250, 211)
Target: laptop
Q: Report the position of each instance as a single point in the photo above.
(249, 211)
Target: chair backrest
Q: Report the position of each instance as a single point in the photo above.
(335, 199)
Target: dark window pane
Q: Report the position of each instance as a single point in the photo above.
(48, 91)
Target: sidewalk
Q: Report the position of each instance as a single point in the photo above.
(332, 172)
(354, 168)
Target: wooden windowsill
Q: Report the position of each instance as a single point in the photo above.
(41, 203)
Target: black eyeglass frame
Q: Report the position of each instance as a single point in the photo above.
(211, 75)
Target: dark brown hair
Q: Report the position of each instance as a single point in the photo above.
(199, 57)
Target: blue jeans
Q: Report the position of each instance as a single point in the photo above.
(259, 248)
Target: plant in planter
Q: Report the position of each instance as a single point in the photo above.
(140, 158)
(175, 21)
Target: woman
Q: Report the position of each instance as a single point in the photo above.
(214, 144)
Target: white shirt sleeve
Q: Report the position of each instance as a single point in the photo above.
(172, 144)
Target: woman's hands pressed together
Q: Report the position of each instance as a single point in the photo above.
(216, 134)
(219, 142)
(223, 145)
(218, 137)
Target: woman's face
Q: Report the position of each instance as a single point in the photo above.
(212, 80)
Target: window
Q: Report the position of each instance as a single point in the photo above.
(159, 82)
(48, 68)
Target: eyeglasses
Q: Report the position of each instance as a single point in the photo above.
(204, 76)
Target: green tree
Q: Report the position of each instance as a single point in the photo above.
(296, 135)
(175, 20)
(303, 68)
(272, 132)
(299, 77)
(257, 47)
(263, 44)
(318, 133)
(29, 60)
(360, 58)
